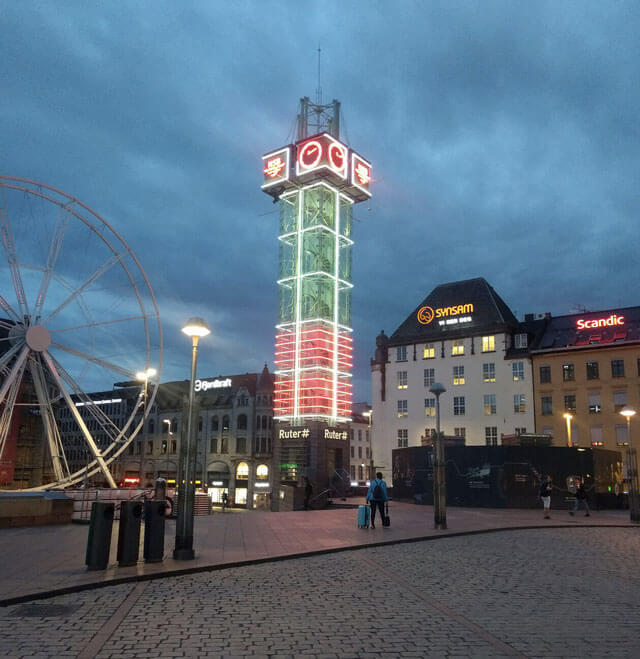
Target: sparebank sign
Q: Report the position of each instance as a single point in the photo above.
(453, 315)
(205, 385)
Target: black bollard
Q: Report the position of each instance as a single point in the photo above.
(129, 533)
(154, 531)
(99, 541)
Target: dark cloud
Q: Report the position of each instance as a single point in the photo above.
(503, 136)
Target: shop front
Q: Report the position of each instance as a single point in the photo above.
(241, 485)
(218, 482)
(261, 488)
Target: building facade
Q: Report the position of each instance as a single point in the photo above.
(464, 336)
(361, 465)
(586, 370)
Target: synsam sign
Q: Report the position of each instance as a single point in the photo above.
(613, 320)
(426, 314)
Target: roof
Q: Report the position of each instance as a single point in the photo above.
(589, 330)
(456, 309)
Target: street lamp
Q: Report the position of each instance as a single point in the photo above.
(369, 414)
(195, 328)
(568, 417)
(634, 503)
(439, 485)
(143, 376)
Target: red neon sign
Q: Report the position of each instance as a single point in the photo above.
(274, 167)
(611, 321)
(322, 151)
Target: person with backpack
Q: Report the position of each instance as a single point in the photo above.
(581, 495)
(377, 496)
(545, 495)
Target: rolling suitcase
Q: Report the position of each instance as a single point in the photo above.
(363, 517)
(386, 520)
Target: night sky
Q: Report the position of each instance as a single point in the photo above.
(503, 137)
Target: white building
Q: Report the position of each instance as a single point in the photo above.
(464, 336)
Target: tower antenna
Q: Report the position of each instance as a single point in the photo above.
(319, 88)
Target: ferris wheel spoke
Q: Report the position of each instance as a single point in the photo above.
(18, 368)
(7, 412)
(52, 259)
(8, 356)
(48, 417)
(96, 360)
(12, 258)
(79, 420)
(8, 309)
(115, 258)
(104, 322)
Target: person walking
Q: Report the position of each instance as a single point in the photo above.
(581, 495)
(545, 495)
(308, 491)
(377, 496)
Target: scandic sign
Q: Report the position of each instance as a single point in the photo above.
(611, 321)
(426, 314)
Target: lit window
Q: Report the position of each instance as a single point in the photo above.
(402, 408)
(570, 402)
(402, 379)
(429, 406)
(242, 471)
(596, 436)
(488, 344)
(403, 438)
(489, 372)
(429, 376)
(458, 375)
(490, 404)
(401, 354)
(429, 351)
(519, 403)
(568, 372)
(457, 347)
(622, 437)
(517, 368)
(458, 406)
(491, 435)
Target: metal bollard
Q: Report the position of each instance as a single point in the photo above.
(129, 533)
(154, 531)
(99, 540)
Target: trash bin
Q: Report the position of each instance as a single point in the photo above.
(154, 531)
(129, 533)
(99, 540)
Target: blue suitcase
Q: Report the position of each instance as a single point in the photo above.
(363, 517)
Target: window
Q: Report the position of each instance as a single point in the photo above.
(457, 347)
(489, 404)
(402, 379)
(241, 445)
(570, 402)
(458, 406)
(520, 431)
(488, 344)
(547, 404)
(593, 372)
(622, 438)
(596, 436)
(402, 408)
(619, 399)
(403, 438)
(617, 368)
(520, 341)
(149, 447)
(213, 445)
(262, 472)
(595, 405)
(151, 427)
(224, 445)
(547, 430)
(491, 436)
(242, 471)
(353, 451)
(429, 406)
(200, 423)
(225, 423)
(352, 468)
(241, 423)
(489, 372)
(174, 446)
(429, 376)
(568, 372)
(639, 366)
(165, 426)
(359, 434)
(519, 403)
(517, 369)
(460, 432)
(429, 351)
(214, 423)
(401, 354)
(458, 375)
(545, 374)
(360, 451)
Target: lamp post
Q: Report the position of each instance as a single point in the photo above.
(634, 503)
(568, 417)
(439, 485)
(369, 414)
(143, 376)
(195, 328)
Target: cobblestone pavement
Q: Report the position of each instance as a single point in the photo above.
(535, 593)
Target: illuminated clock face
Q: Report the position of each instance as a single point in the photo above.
(310, 154)
(337, 156)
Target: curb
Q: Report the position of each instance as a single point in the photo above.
(118, 581)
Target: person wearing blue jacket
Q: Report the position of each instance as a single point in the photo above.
(376, 496)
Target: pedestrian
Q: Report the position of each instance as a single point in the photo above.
(377, 496)
(545, 495)
(308, 491)
(581, 495)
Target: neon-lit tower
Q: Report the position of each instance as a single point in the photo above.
(316, 180)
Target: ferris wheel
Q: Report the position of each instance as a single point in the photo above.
(77, 314)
